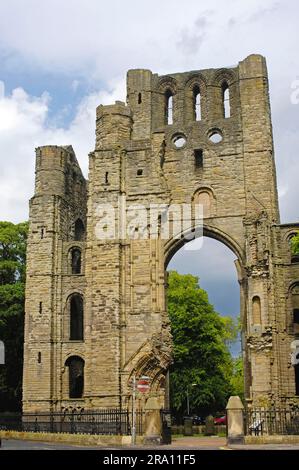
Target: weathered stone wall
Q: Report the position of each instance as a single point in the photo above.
(59, 200)
(126, 326)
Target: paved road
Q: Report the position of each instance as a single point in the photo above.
(212, 443)
(182, 443)
(12, 444)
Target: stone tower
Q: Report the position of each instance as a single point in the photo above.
(95, 305)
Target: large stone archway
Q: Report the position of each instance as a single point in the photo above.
(226, 165)
(208, 231)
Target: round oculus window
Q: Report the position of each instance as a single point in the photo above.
(179, 141)
(215, 137)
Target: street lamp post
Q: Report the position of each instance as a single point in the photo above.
(134, 410)
(188, 398)
(2, 353)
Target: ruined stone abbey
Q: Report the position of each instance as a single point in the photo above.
(96, 313)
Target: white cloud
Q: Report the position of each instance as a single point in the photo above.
(2, 90)
(100, 39)
(24, 126)
(221, 263)
(191, 41)
(92, 41)
(96, 41)
(213, 263)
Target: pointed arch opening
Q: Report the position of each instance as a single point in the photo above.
(294, 309)
(76, 317)
(79, 230)
(168, 107)
(75, 365)
(196, 103)
(294, 256)
(256, 310)
(220, 273)
(76, 261)
(226, 106)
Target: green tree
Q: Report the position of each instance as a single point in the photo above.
(237, 378)
(295, 244)
(12, 286)
(201, 353)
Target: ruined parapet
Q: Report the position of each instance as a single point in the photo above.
(113, 125)
(57, 224)
(139, 96)
(50, 170)
(57, 171)
(257, 136)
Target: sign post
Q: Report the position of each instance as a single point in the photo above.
(134, 411)
(143, 386)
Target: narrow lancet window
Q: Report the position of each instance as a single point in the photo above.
(197, 103)
(169, 107)
(76, 376)
(76, 261)
(226, 100)
(76, 318)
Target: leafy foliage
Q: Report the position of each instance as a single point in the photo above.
(202, 362)
(237, 378)
(295, 244)
(12, 293)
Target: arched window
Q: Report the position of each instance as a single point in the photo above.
(76, 317)
(295, 304)
(256, 310)
(76, 261)
(79, 230)
(169, 107)
(197, 103)
(226, 100)
(205, 199)
(294, 257)
(75, 365)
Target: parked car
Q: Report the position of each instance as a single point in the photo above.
(220, 420)
(198, 420)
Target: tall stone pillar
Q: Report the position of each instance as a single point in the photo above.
(235, 421)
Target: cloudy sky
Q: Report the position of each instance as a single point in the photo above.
(60, 59)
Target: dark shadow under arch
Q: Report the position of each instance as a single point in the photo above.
(76, 376)
(76, 317)
(79, 234)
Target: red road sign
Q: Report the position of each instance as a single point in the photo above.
(143, 385)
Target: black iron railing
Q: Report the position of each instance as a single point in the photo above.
(109, 421)
(269, 421)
